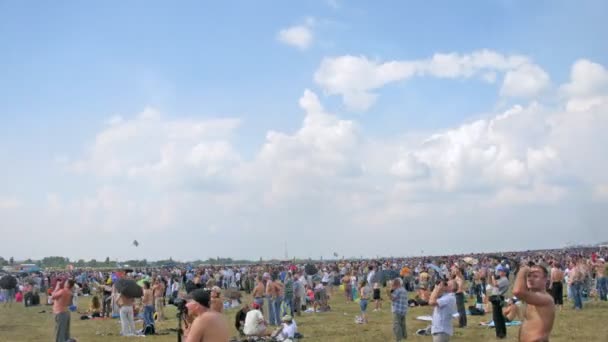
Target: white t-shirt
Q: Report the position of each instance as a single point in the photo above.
(254, 323)
(370, 276)
(288, 331)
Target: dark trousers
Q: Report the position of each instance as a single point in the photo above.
(62, 326)
(106, 309)
(462, 314)
(499, 319)
(557, 291)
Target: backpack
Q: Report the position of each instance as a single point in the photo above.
(149, 330)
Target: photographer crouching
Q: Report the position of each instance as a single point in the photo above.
(500, 286)
(206, 325)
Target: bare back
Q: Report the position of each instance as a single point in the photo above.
(209, 327)
(557, 275)
(258, 291)
(538, 323)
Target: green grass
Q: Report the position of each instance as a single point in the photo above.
(20, 324)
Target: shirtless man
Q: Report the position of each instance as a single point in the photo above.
(208, 326)
(530, 286)
(273, 292)
(557, 287)
(258, 293)
(159, 293)
(148, 303)
(460, 296)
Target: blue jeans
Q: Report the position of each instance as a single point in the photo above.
(289, 302)
(260, 302)
(148, 315)
(271, 311)
(602, 287)
(275, 311)
(577, 294)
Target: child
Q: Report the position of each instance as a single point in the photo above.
(376, 296)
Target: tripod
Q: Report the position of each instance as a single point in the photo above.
(181, 316)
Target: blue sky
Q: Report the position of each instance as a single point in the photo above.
(67, 68)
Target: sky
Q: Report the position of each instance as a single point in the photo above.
(249, 129)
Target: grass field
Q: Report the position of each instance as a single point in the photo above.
(20, 324)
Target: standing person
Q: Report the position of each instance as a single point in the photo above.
(557, 286)
(127, 323)
(106, 305)
(602, 279)
(62, 297)
(208, 325)
(174, 289)
(289, 292)
(530, 286)
(348, 290)
(444, 303)
(377, 297)
(158, 291)
(399, 309)
(272, 293)
(460, 284)
(258, 294)
(148, 303)
(576, 279)
(500, 285)
(364, 292)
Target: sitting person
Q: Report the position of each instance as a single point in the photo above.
(239, 320)
(287, 331)
(421, 299)
(511, 311)
(94, 309)
(255, 325)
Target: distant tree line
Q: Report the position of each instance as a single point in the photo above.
(62, 262)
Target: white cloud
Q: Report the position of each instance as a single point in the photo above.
(588, 86)
(7, 203)
(299, 36)
(601, 192)
(528, 80)
(355, 77)
(172, 181)
(148, 147)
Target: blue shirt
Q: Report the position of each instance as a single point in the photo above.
(442, 314)
(399, 297)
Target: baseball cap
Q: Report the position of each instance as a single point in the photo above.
(200, 296)
(287, 318)
(255, 306)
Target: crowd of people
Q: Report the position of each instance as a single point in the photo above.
(283, 291)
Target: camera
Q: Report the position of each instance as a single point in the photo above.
(180, 304)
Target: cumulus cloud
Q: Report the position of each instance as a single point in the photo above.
(299, 36)
(587, 87)
(355, 77)
(173, 181)
(527, 80)
(150, 148)
(7, 203)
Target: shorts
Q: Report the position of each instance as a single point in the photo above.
(363, 305)
(377, 294)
